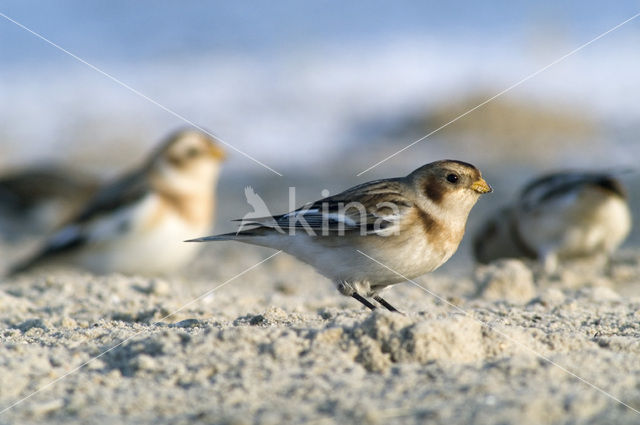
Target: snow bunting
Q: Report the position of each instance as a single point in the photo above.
(135, 224)
(411, 225)
(558, 216)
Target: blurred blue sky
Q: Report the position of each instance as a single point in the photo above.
(288, 80)
(125, 30)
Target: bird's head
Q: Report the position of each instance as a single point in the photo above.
(187, 161)
(448, 189)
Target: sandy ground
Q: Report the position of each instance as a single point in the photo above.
(279, 345)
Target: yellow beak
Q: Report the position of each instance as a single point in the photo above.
(481, 186)
(217, 152)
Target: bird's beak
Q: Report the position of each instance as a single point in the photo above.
(217, 152)
(481, 186)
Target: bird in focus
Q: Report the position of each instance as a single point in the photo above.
(134, 224)
(556, 217)
(409, 225)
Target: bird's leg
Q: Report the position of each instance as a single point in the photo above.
(609, 267)
(348, 289)
(549, 260)
(363, 300)
(385, 304)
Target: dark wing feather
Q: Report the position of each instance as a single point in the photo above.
(126, 190)
(375, 206)
(551, 186)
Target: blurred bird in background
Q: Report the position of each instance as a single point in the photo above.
(559, 216)
(41, 198)
(135, 224)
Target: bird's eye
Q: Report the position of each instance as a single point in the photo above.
(452, 178)
(192, 153)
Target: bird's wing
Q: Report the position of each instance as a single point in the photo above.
(374, 207)
(557, 185)
(120, 193)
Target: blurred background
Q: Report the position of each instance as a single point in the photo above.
(320, 91)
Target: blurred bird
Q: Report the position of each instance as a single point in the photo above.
(41, 198)
(412, 225)
(134, 224)
(559, 216)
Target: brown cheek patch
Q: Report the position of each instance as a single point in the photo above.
(175, 161)
(192, 208)
(437, 233)
(429, 224)
(434, 190)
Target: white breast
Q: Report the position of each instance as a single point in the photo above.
(126, 242)
(339, 259)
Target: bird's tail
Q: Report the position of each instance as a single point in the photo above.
(225, 237)
(236, 236)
